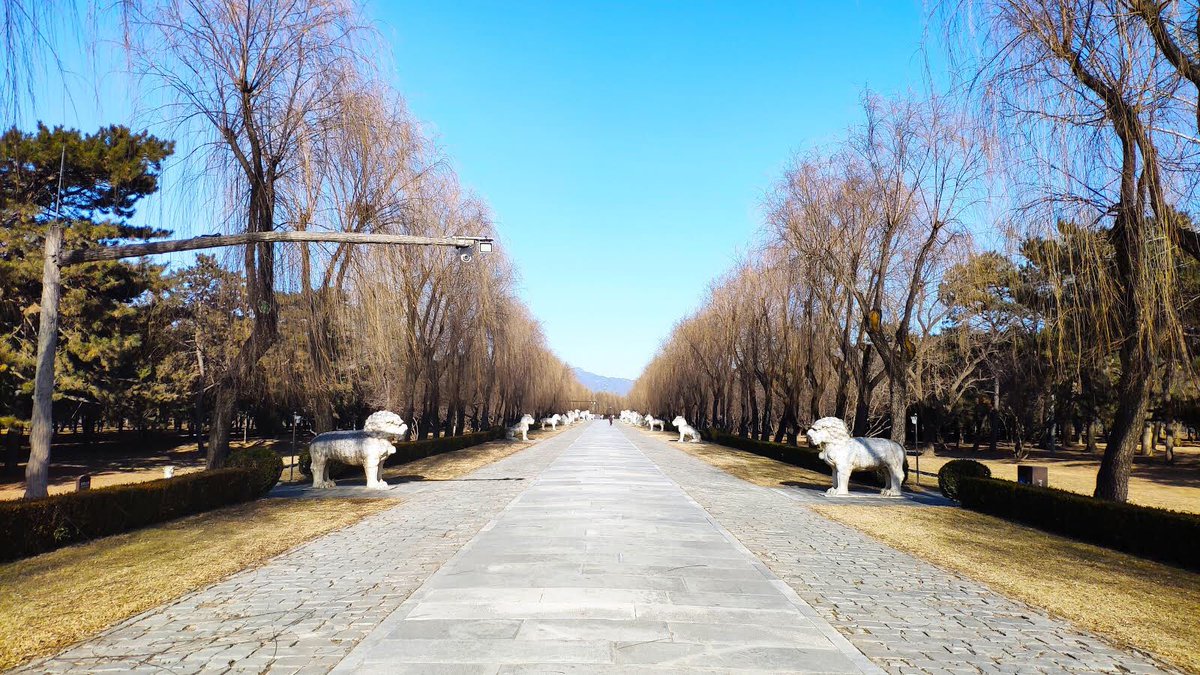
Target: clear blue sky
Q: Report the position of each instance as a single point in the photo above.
(624, 147)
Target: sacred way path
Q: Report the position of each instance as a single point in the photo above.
(599, 550)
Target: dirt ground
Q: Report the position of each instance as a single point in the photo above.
(1153, 482)
(113, 465)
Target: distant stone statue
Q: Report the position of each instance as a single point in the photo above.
(521, 427)
(367, 448)
(652, 421)
(551, 421)
(845, 455)
(685, 429)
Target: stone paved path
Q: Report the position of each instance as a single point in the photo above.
(303, 611)
(907, 615)
(596, 560)
(604, 564)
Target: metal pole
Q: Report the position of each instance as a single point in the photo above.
(295, 455)
(917, 441)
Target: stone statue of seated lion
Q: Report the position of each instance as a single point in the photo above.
(367, 448)
(845, 455)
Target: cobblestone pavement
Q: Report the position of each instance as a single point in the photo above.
(907, 615)
(303, 611)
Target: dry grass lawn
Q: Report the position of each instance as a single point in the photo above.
(53, 600)
(1129, 600)
(59, 598)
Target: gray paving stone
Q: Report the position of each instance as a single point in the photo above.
(599, 560)
(907, 615)
(601, 550)
(306, 609)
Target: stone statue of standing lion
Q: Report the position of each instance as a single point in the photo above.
(367, 448)
(846, 454)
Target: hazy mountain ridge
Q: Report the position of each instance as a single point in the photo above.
(616, 385)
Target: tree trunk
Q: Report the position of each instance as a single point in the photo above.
(37, 471)
(862, 407)
(899, 401)
(1170, 439)
(1133, 398)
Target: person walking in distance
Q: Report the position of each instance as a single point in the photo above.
(609, 416)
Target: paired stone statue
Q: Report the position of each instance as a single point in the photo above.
(521, 427)
(845, 455)
(685, 429)
(367, 448)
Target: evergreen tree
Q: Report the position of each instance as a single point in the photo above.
(102, 176)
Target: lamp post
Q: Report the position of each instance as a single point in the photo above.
(37, 471)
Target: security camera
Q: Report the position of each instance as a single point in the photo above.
(465, 256)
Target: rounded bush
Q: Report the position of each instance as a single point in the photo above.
(264, 462)
(956, 469)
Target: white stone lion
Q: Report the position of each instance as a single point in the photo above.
(846, 454)
(685, 429)
(367, 448)
(521, 427)
(652, 421)
(551, 421)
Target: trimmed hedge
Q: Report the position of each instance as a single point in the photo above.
(410, 451)
(955, 470)
(806, 458)
(1167, 536)
(264, 462)
(36, 526)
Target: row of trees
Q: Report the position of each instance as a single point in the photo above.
(290, 127)
(1074, 133)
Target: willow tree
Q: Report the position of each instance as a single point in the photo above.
(1098, 135)
(257, 77)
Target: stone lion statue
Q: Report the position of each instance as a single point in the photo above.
(652, 421)
(846, 454)
(551, 421)
(521, 427)
(367, 448)
(685, 429)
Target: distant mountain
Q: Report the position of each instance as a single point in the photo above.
(616, 385)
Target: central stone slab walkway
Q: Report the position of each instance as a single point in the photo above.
(604, 564)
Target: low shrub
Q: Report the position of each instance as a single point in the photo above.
(1168, 536)
(953, 471)
(803, 457)
(410, 451)
(264, 462)
(39, 525)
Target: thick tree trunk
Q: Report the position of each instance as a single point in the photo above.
(37, 471)
(1133, 399)
(1147, 447)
